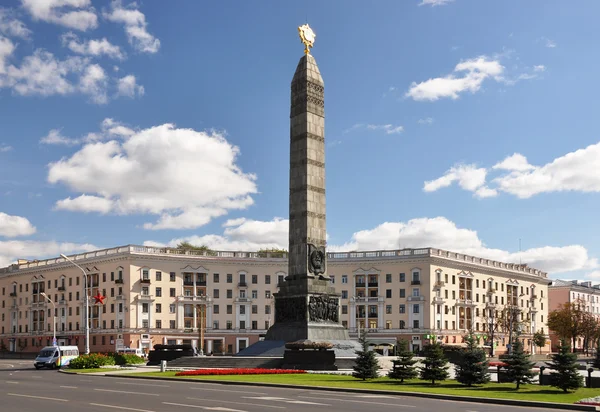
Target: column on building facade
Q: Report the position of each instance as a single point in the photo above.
(180, 313)
(209, 346)
(352, 314)
(380, 313)
(209, 313)
(195, 313)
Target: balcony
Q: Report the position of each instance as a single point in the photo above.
(188, 282)
(145, 297)
(438, 300)
(439, 284)
(415, 282)
(119, 280)
(242, 284)
(490, 305)
(201, 283)
(491, 291)
(533, 297)
(62, 288)
(35, 291)
(368, 299)
(416, 298)
(373, 284)
(13, 294)
(193, 299)
(242, 300)
(361, 284)
(145, 280)
(120, 297)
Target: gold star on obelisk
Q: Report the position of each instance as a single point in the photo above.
(307, 36)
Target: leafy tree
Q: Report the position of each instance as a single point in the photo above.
(189, 246)
(3, 347)
(519, 366)
(589, 329)
(472, 368)
(565, 364)
(435, 368)
(273, 251)
(566, 321)
(366, 365)
(404, 368)
(539, 339)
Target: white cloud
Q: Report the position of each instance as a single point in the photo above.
(13, 226)
(115, 128)
(251, 235)
(12, 250)
(61, 12)
(128, 86)
(11, 26)
(141, 175)
(550, 44)
(576, 171)
(476, 71)
(6, 49)
(92, 47)
(85, 203)
(94, 83)
(539, 68)
(242, 235)
(387, 128)
(135, 26)
(593, 275)
(5, 148)
(55, 136)
(516, 162)
(469, 177)
(427, 120)
(434, 3)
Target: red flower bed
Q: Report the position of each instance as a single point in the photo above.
(254, 371)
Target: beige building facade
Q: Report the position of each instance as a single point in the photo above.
(225, 299)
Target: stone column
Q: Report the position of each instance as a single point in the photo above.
(209, 313)
(352, 314)
(180, 312)
(195, 324)
(380, 314)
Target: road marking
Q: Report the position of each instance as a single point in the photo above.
(120, 407)
(209, 408)
(38, 397)
(69, 387)
(286, 400)
(143, 384)
(369, 402)
(132, 393)
(226, 390)
(237, 403)
(12, 382)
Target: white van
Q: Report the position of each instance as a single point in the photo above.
(56, 356)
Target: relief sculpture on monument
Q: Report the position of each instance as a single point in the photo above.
(316, 260)
(323, 309)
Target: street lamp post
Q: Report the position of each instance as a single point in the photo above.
(87, 305)
(53, 318)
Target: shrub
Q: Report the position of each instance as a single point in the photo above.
(91, 361)
(128, 359)
(240, 371)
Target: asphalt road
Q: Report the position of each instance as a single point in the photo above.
(22, 388)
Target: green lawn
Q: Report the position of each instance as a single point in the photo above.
(491, 390)
(92, 370)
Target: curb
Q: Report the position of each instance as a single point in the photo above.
(456, 398)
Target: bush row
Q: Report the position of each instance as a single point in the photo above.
(96, 360)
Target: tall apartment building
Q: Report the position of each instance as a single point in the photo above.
(160, 295)
(566, 291)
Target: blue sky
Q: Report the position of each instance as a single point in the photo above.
(464, 125)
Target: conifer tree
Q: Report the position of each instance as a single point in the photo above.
(565, 364)
(435, 362)
(519, 366)
(366, 365)
(472, 367)
(596, 363)
(404, 368)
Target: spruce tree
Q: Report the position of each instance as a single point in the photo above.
(435, 362)
(519, 366)
(565, 364)
(472, 368)
(404, 368)
(366, 365)
(596, 363)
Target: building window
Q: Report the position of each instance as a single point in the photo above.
(402, 308)
(158, 308)
(332, 277)
(267, 279)
(416, 276)
(402, 325)
(255, 294)
(145, 291)
(172, 324)
(172, 292)
(267, 294)
(172, 308)
(254, 324)
(344, 294)
(145, 308)
(216, 293)
(388, 293)
(215, 278)
(229, 293)
(415, 308)
(344, 278)
(416, 292)
(402, 277)
(415, 324)
(145, 274)
(254, 309)
(229, 278)
(158, 324)
(215, 324)
(242, 310)
(216, 309)
(254, 279)
(402, 293)
(158, 292)
(388, 278)
(344, 309)
(158, 276)
(388, 309)
(145, 323)
(229, 309)
(267, 309)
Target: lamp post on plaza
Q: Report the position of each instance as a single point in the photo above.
(87, 305)
(53, 318)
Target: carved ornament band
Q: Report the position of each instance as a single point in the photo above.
(307, 214)
(303, 136)
(307, 161)
(304, 188)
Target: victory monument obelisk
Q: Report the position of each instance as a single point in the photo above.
(307, 306)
